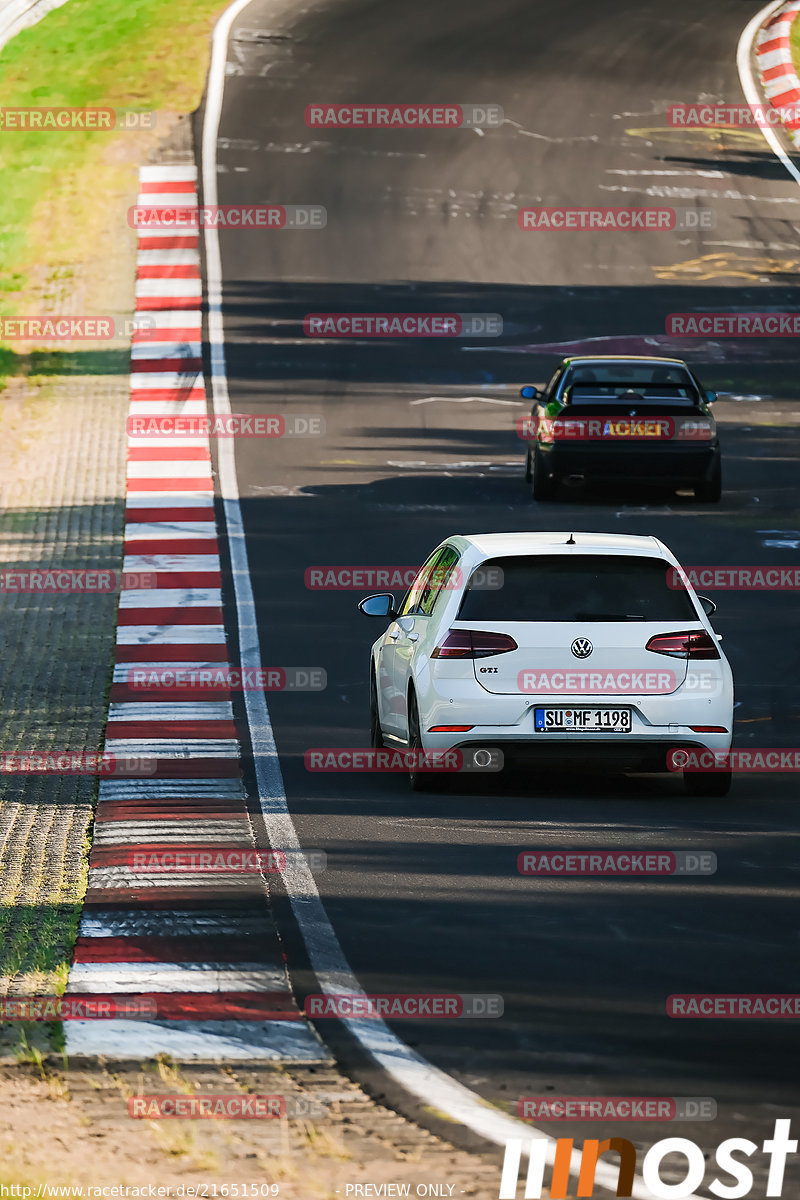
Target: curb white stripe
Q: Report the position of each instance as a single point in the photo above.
(284, 1041)
(169, 500)
(175, 977)
(166, 349)
(170, 256)
(171, 710)
(163, 288)
(159, 468)
(170, 597)
(172, 173)
(174, 529)
(123, 672)
(169, 318)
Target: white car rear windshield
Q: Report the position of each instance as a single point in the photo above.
(580, 588)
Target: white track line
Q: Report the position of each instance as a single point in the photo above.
(744, 57)
(432, 1086)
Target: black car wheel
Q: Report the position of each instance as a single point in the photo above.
(541, 484)
(375, 732)
(421, 781)
(709, 491)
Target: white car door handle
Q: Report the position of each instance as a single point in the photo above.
(394, 635)
(413, 637)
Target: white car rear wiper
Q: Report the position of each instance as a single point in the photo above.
(593, 616)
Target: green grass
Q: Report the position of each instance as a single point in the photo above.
(57, 184)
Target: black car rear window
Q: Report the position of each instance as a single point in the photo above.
(642, 394)
(578, 588)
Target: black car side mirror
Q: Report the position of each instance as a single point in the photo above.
(381, 605)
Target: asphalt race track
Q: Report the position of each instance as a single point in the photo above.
(420, 443)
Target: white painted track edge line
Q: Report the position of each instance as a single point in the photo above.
(432, 1086)
(744, 56)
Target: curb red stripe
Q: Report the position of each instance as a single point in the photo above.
(126, 692)
(776, 72)
(196, 948)
(168, 454)
(177, 241)
(167, 333)
(154, 303)
(171, 485)
(185, 899)
(165, 580)
(170, 729)
(169, 616)
(165, 652)
(188, 768)
(194, 391)
(168, 271)
(166, 364)
(120, 856)
(167, 186)
(166, 513)
(200, 545)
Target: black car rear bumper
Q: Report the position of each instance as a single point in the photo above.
(678, 466)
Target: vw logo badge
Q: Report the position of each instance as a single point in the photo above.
(581, 647)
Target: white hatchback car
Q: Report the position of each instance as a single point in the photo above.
(558, 648)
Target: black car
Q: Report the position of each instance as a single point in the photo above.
(638, 420)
